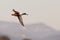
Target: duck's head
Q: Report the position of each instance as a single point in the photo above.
(24, 14)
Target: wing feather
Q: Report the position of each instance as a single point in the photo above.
(21, 20)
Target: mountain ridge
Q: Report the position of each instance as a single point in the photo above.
(35, 31)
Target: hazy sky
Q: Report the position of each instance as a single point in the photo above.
(46, 11)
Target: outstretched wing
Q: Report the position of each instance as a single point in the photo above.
(21, 20)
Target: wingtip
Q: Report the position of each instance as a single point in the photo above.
(23, 25)
(13, 10)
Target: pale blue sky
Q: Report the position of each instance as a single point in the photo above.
(46, 11)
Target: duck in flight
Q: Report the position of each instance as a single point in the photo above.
(17, 14)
